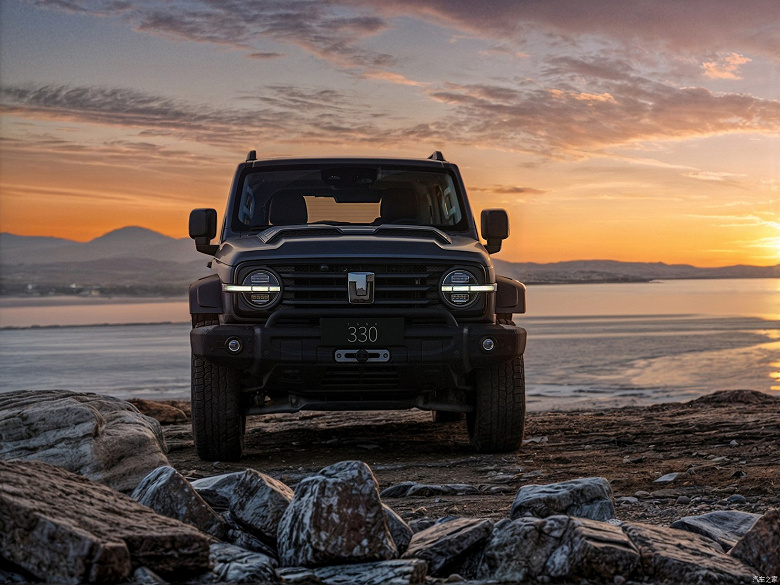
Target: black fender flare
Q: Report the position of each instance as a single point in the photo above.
(206, 295)
(510, 295)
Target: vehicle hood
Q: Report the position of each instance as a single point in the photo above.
(330, 242)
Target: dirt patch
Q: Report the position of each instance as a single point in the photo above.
(724, 448)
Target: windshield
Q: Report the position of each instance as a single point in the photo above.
(349, 195)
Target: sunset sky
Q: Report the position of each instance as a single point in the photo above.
(644, 130)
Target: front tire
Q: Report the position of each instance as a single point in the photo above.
(496, 425)
(218, 423)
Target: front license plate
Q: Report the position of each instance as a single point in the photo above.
(371, 332)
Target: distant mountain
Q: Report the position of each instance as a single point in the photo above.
(614, 271)
(130, 260)
(139, 261)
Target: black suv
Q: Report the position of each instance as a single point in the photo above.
(353, 284)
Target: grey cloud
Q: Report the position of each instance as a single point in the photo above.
(282, 111)
(682, 25)
(579, 123)
(320, 27)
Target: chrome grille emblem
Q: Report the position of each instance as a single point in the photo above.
(360, 286)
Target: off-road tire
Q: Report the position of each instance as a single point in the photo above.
(218, 424)
(496, 425)
(441, 417)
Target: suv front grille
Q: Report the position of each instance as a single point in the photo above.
(396, 285)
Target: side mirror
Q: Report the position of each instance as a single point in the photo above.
(203, 228)
(495, 228)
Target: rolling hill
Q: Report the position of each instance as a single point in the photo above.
(139, 261)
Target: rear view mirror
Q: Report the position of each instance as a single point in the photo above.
(495, 228)
(203, 228)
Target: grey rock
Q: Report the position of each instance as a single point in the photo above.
(589, 497)
(683, 501)
(421, 524)
(557, 547)
(258, 503)
(233, 564)
(725, 527)
(448, 546)
(100, 437)
(393, 572)
(760, 546)
(677, 556)
(736, 499)
(412, 489)
(166, 492)
(398, 490)
(399, 530)
(63, 527)
(298, 576)
(335, 517)
(248, 541)
(217, 489)
(668, 478)
(145, 576)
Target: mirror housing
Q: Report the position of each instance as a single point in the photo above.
(203, 228)
(495, 228)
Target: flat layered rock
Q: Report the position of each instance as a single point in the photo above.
(63, 527)
(589, 497)
(100, 437)
(725, 527)
(335, 517)
(677, 556)
(394, 572)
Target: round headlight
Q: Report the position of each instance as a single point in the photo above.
(456, 288)
(266, 288)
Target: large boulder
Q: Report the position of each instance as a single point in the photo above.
(100, 437)
(557, 547)
(166, 492)
(676, 556)
(335, 517)
(725, 527)
(760, 546)
(448, 546)
(63, 527)
(258, 503)
(589, 497)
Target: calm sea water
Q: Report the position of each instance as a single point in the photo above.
(611, 344)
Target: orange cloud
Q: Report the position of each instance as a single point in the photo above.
(726, 67)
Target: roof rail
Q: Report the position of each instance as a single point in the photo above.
(251, 156)
(437, 155)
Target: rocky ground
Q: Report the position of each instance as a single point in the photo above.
(723, 447)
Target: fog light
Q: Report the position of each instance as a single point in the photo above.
(488, 343)
(234, 345)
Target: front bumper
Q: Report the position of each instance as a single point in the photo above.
(283, 355)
